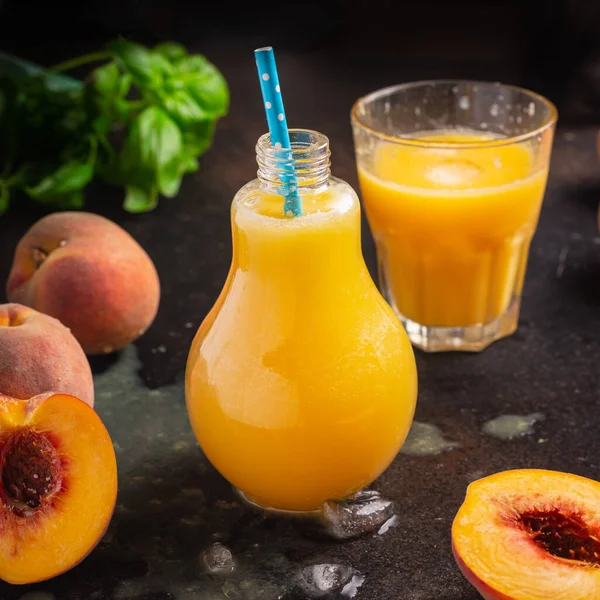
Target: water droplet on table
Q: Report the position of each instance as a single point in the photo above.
(425, 439)
(364, 513)
(508, 427)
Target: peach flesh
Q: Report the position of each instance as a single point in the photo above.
(485, 591)
(530, 535)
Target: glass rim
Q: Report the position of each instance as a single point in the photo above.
(549, 122)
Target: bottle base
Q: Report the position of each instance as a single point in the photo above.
(471, 338)
(250, 501)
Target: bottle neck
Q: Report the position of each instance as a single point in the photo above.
(308, 161)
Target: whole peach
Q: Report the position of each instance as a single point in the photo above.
(38, 354)
(91, 275)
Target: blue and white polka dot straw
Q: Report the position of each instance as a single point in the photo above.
(280, 138)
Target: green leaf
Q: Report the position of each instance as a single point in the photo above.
(102, 125)
(169, 178)
(153, 141)
(205, 84)
(161, 64)
(109, 97)
(150, 161)
(107, 79)
(69, 178)
(188, 162)
(171, 50)
(146, 67)
(198, 138)
(125, 85)
(184, 109)
(138, 200)
(124, 109)
(191, 165)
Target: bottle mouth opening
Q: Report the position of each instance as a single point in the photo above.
(305, 144)
(308, 160)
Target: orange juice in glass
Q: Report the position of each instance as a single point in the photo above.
(452, 176)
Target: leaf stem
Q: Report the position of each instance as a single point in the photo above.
(81, 60)
(93, 140)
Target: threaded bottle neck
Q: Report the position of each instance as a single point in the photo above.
(308, 160)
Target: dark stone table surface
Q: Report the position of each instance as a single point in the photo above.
(172, 504)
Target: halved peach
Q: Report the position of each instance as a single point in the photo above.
(530, 534)
(58, 485)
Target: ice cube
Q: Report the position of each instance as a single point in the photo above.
(361, 514)
(351, 588)
(218, 559)
(452, 173)
(317, 581)
(391, 522)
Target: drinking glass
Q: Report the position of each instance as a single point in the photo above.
(452, 176)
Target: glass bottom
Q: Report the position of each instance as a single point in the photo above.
(472, 338)
(276, 511)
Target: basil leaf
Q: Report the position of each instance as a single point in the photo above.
(171, 50)
(102, 125)
(146, 67)
(169, 178)
(66, 180)
(107, 79)
(152, 142)
(108, 97)
(110, 81)
(190, 164)
(204, 83)
(150, 158)
(198, 137)
(184, 109)
(139, 200)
